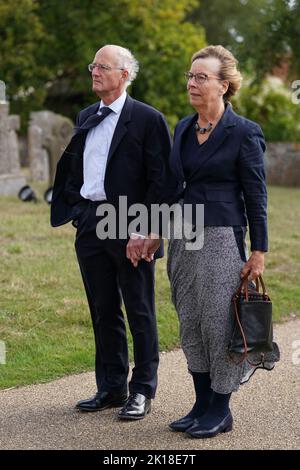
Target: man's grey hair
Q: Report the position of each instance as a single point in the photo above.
(127, 61)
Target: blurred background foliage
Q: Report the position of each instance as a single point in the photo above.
(269, 103)
(45, 46)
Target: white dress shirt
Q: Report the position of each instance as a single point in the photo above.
(96, 151)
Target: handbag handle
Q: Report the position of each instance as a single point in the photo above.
(244, 287)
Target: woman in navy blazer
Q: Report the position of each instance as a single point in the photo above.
(217, 159)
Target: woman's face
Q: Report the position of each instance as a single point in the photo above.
(206, 88)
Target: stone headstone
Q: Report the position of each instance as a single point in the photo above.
(38, 156)
(48, 135)
(11, 178)
(13, 144)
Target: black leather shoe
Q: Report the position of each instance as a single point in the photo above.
(182, 424)
(196, 430)
(136, 407)
(101, 401)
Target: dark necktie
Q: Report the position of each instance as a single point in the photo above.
(95, 119)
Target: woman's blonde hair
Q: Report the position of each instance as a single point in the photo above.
(228, 69)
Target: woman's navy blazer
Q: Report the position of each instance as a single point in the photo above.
(228, 176)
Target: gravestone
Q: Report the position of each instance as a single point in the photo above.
(11, 178)
(48, 135)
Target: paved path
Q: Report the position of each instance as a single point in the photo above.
(266, 411)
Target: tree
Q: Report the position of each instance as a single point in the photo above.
(156, 31)
(270, 104)
(164, 43)
(20, 31)
(47, 44)
(260, 33)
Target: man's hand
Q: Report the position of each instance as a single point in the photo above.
(142, 248)
(134, 249)
(151, 245)
(255, 265)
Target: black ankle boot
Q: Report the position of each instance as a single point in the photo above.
(217, 419)
(203, 396)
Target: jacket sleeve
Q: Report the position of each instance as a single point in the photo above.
(253, 181)
(157, 152)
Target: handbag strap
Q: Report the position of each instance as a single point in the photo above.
(245, 353)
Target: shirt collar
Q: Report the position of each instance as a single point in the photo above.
(117, 105)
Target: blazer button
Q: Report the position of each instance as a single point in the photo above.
(184, 184)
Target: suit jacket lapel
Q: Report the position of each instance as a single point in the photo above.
(92, 110)
(216, 139)
(121, 127)
(77, 141)
(176, 161)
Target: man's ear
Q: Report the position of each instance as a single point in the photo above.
(125, 74)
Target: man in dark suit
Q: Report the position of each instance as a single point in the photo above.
(120, 148)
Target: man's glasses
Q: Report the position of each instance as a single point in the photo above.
(107, 68)
(200, 78)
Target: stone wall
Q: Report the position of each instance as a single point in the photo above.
(283, 164)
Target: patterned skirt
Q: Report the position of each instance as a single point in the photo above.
(202, 284)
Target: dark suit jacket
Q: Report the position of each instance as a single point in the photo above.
(137, 164)
(229, 178)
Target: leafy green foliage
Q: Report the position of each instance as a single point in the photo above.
(164, 44)
(259, 32)
(55, 40)
(20, 31)
(45, 46)
(270, 104)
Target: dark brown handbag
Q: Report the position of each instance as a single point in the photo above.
(253, 327)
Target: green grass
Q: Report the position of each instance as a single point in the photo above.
(282, 273)
(44, 319)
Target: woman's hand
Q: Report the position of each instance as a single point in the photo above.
(255, 264)
(151, 245)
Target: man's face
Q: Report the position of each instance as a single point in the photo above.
(108, 82)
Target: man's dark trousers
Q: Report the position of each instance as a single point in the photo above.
(108, 278)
